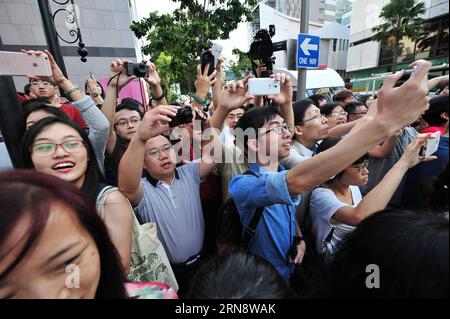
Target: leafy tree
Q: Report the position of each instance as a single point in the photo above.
(188, 32)
(402, 19)
(241, 66)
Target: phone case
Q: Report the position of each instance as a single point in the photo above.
(21, 64)
(216, 52)
(432, 145)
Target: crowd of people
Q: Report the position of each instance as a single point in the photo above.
(249, 196)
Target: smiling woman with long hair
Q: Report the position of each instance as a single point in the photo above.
(61, 148)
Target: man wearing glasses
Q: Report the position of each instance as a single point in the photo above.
(277, 237)
(126, 122)
(355, 110)
(310, 128)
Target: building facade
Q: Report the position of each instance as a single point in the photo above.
(367, 58)
(104, 24)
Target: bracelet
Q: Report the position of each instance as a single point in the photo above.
(159, 98)
(70, 91)
(199, 100)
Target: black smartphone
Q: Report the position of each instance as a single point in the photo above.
(208, 58)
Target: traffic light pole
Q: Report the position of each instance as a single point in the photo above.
(304, 28)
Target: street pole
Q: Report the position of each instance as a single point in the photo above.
(304, 26)
(12, 124)
(50, 34)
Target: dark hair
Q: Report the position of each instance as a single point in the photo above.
(26, 89)
(364, 98)
(93, 175)
(300, 109)
(351, 107)
(342, 96)
(102, 94)
(33, 107)
(438, 105)
(131, 101)
(330, 142)
(316, 98)
(328, 108)
(37, 101)
(129, 106)
(435, 191)
(410, 249)
(255, 119)
(28, 192)
(238, 274)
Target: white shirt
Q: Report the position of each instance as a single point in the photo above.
(227, 137)
(323, 205)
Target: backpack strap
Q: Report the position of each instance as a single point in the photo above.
(251, 229)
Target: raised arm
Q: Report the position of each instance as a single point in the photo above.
(284, 100)
(396, 108)
(118, 78)
(233, 96)
(154, 81)
(379, 197)
(153, 124)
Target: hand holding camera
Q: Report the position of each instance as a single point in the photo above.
(153, 77)
(118, 76)
(156, 122)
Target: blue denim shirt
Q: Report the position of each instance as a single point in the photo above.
(276, 229)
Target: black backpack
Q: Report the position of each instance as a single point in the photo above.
(307, 274)
(230, 233)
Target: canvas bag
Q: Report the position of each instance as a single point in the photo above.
(149, 262)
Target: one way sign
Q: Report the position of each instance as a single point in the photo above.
(308, 51)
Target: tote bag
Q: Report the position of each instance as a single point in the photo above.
(149, 262)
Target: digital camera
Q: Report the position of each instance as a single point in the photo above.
(184, 116)
(137, 69)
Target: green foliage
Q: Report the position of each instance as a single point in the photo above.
(186, 33)
(402, 19)
(241, 66)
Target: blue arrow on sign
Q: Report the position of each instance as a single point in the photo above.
(308, 49)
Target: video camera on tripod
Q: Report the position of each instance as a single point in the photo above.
(263, 49)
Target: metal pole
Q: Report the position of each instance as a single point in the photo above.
(12, 124)
(304, 27)
(50, 34)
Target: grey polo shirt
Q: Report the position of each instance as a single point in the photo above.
(177, 211)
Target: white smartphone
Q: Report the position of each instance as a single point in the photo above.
(216, 52)
(431, 147)
(21, 64)
(264, 86)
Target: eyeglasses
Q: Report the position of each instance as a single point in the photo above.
(44, 83)
(335, 115)
(280, 129)
(361, 168)
(154, 152)
(50, 148)
(124, 122)
(318, 116)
